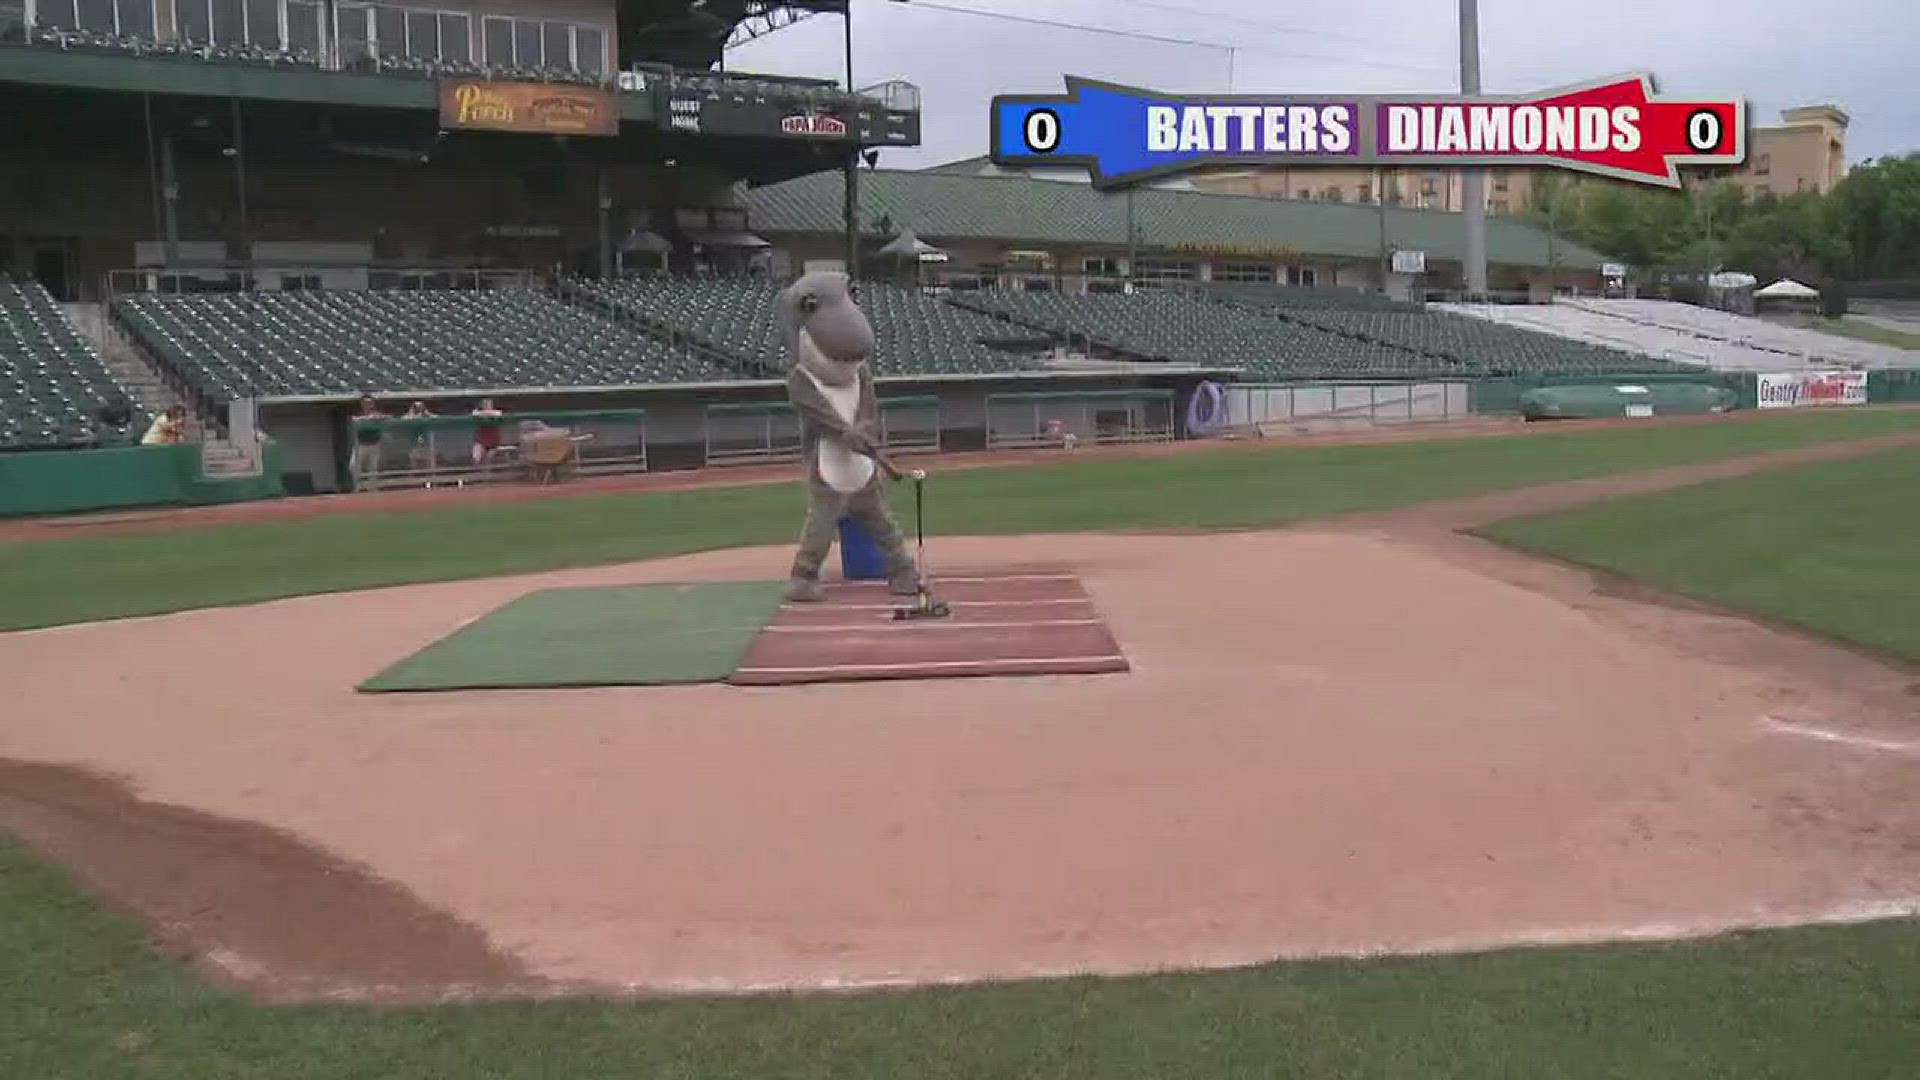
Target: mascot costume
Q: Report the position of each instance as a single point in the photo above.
(831, 387)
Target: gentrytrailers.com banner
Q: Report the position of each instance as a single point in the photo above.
(1802, 388)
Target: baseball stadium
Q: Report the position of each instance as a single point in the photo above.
(528, 550)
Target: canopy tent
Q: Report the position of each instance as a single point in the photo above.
(908, 247)
(1786, 289)
(645, 242)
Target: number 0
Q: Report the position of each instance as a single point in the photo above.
(1703, 131)
(1042, 131)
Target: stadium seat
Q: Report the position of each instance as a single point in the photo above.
(231, 345)
(52, 383)
(913, 333)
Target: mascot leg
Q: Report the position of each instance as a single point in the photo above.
(869, 508)
(816, 539)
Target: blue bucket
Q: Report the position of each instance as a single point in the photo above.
(860, 556)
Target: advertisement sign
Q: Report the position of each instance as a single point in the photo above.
(1409, 262)
(1808, 388)
(532, 108)
(828, 127)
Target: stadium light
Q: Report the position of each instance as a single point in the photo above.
(1473, 181)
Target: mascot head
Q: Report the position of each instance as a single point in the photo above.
(826, 332)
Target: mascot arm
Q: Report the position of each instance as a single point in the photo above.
(817, 413)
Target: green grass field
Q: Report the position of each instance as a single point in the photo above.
(80, 579)
(82, 997)
(1833, 548)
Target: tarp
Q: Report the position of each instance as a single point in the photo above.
(1786, 289)
(1595, 400)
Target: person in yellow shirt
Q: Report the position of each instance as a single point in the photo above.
(169, 428)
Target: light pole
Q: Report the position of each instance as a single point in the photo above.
(1472, 181)
(852, 184)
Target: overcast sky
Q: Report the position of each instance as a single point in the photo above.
(1863, 55)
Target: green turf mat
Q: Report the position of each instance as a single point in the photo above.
(624, 635)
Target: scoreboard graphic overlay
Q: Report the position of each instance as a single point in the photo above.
(1617, 127)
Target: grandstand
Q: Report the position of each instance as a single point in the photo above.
(1688, 335)
(235, 345)
(914, 334)
(52, 383)
(1722, 327)
(1447, 340)
(1168, 325)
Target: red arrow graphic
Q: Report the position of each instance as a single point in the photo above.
(1616, 128)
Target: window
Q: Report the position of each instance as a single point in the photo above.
(1160, 270)
(389, 31)
(1500, 181)
(229, 22)
(354, 42)
(589, 50)
(263, 23)
(559, 42)
(1307, 277)
(526, 43)
(127, 18)
(423, 35)
(499, 41)
(95, 15)
(1255, 273)
(1430, 184)
(1363, 193)
(303, 26)
(509, 42)
(456, 37)
(1101, 267)
(194, 24)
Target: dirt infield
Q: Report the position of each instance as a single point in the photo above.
(1374, 734)
(1033, 620)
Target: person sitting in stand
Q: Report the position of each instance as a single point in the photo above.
(486, 432)
(168, 429)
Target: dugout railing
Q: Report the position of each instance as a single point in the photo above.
(405, 451)
(1067, 417)
(768, 432)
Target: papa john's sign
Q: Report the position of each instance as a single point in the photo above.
(534, 108)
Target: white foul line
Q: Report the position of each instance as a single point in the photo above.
(951, 580)
(875, 624)
(1011, 661)
(905, 600)
(1824, 735)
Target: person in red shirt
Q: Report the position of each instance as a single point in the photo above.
(486, 432)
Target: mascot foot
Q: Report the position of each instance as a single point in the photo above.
(805, 591)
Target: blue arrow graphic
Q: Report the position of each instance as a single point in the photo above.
(1121, 134)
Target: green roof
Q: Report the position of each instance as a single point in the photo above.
(963, 205)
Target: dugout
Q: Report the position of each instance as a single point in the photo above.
(762, 432)
(1142, 414)
(422, 451)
